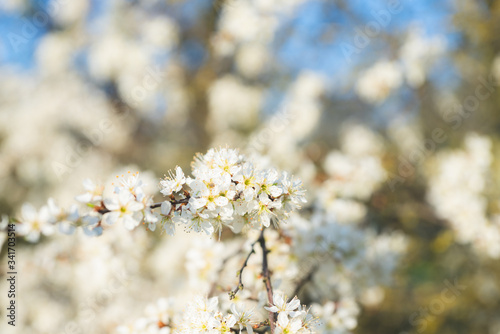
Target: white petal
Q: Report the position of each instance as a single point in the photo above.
(84, 198)
(275, 191)
(44, 215)
(111, 217)
(66, 228)
(292, 305)
(265, 220)
(90, 220)
(47, 229)
(212, 303)
(231, 321)
(295, 325)
(283, 319)
(88, 185)
(237, 224)
(197, 202)
(111, 204)
(28, 212)
(152, 226)
(278, 300)
(169, 228)
(129, 222)
(207, 227)
(53, 208)
(221, 201)
(33, 236)
(179, 174)
(272, 309)
(135, 206)
(165, 208)
(93, 232)
(124, 197)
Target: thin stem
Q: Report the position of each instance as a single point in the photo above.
(224, 262)
(232, 294)
(102, 209)
(260, 328)
(267, 278)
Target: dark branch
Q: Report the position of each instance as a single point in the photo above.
(232, 294)
(224, 262)
(267, 278)
(260, 328)
(102, 209)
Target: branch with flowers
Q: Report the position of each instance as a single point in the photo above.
(226, 190)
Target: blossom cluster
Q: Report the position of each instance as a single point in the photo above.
(226, 190)
(291, 317)
(205, 315)
(126, 205)
(457, 190)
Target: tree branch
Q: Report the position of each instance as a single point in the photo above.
(224, 262)
(260, 328)
(232, 294)
(267, 278)
(102, 209)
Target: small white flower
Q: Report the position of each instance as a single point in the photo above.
(93, 192)
(167, 221)
(151, 218)
(34, 223)
(293, 191)
(267, 181)
(90, 225)
(173, 183)
(161, 311)
(197, 221)
(287, 326)
(131, 183)
(124, 210)
(243, 318)
(65, 219)
(264, 214)
(281, 306)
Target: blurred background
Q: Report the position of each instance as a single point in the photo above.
(395, 100)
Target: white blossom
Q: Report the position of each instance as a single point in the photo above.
(124, 209)
(34, 223)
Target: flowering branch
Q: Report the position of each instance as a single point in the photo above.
(102, 209)
(261, 328)
(225, 189)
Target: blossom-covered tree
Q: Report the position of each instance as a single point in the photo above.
(386, 111)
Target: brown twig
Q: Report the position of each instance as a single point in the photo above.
(261, 328)
(267, 278)
(223, 264)
(232, 294)
(102, 209)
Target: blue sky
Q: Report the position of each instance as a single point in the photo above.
(309, 40)
(298, 51)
